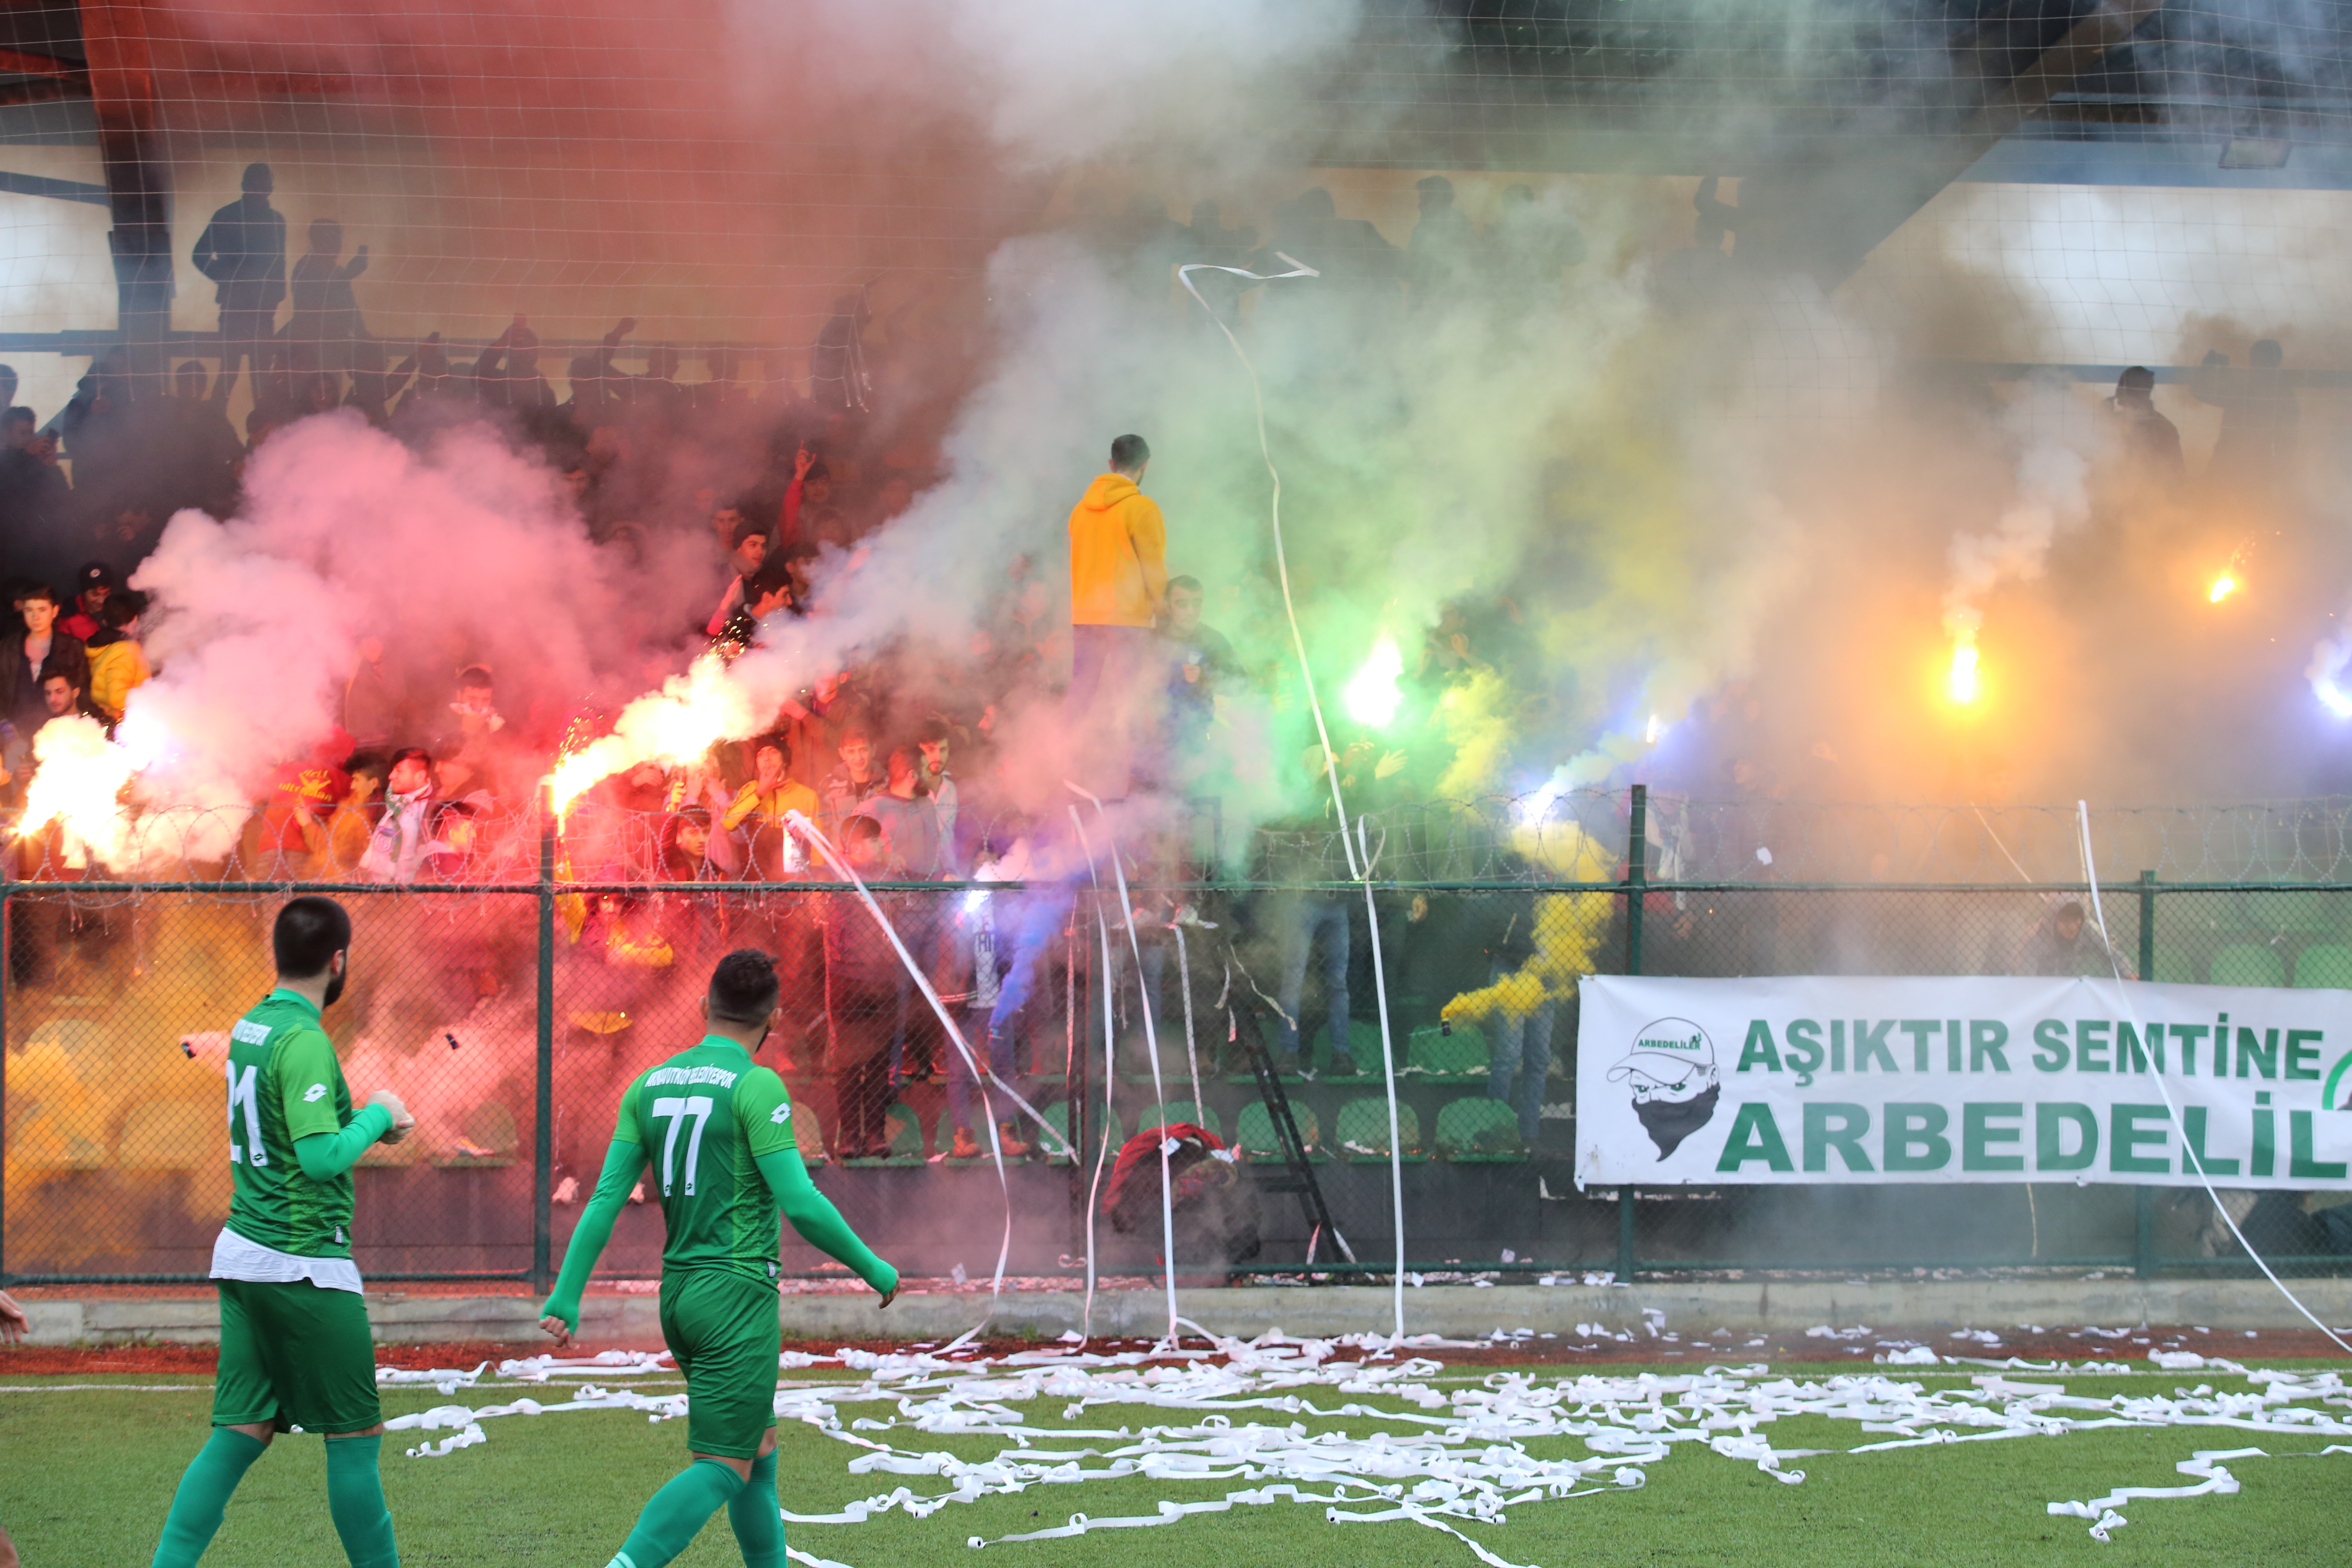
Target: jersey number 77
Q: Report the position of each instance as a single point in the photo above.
(675, 1109)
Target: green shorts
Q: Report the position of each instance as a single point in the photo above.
(294, 1355)
(723, 1329)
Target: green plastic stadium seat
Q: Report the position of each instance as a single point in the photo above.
(2297, 912)
(1363, 1131)
(2328, 967)
(1057, 1116)
(2248, 963)
(2174, 968)
(1478, 1129)
(1181, 1111)
(1364, 1047)
(1253, 1132)
(1460, 1055)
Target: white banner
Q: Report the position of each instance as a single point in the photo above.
(1819, 1079)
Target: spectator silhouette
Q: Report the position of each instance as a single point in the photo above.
(1443, 249)
(2151, 442)
(1533, 244)
(1690, 280)
(1207, 240)
(243, 251)
(2258, 414)
(325, 321)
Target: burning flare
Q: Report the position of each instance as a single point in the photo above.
(2223, 587)
(77, 782)
(672, 726)
(1372, 696)
(1962, 680)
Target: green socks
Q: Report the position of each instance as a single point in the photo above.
(355, 1499)
(678, 1512)
(759, 1526)
(202, 1497)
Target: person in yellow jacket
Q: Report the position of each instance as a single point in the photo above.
(117, 663)
(1118, 588)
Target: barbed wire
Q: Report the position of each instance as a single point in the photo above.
(1521, 840)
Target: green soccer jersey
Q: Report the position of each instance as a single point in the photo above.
(284, 1083)
(704, 1118)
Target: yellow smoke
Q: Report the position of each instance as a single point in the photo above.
(1568, 927)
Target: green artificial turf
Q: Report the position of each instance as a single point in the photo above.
(90, 1475)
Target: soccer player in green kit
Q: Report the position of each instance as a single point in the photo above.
(295, 1346)
(717, 1129)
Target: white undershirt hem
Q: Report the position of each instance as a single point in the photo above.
(235, 1257)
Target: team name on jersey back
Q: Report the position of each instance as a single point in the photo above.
(665, 1076)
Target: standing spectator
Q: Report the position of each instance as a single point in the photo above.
(2258, 414)
(864, 999)
(2150, 441)
(118, 665)
(771, 792)
(34, 496)
(1200, 662)
(45, 649)
(940, 785)
(243, 251)
(352, 826)
(202, 451)
(92, 584)
(325, 323)
(837, 358)
(852, 782)
(748, 553)
(1119, 582)
(1443, 250)
(2065, 944)
(472, 745)
(909, 819)
(404, 829)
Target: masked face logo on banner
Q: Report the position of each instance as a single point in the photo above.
(1674, 1081)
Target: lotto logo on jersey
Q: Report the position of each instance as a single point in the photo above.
(781, 1114)
(315, 1093)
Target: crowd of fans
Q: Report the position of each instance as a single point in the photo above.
(431, 777)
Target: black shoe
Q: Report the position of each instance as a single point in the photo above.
(1344, 1066)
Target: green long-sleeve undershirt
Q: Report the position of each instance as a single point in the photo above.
(326, 1155)
(811, 1212)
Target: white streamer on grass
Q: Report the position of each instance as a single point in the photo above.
(1457, 1455)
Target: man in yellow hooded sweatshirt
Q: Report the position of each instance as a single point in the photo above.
(1118, 587)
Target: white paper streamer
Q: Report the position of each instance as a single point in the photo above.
(1455, 1456)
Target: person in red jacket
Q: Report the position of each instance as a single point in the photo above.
(1118, 587)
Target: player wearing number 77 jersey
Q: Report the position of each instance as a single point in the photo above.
(717, 1129)
(295, 1347)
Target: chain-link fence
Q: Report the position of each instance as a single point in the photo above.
(509, 1014)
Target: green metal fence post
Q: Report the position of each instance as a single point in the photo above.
(1637, 845)
(2144, 1198)
(542, 1152)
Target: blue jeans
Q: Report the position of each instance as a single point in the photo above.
(1302, 921)
(1523, 1043)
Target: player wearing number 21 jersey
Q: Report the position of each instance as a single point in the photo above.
(715, 1128)
(295, 1350)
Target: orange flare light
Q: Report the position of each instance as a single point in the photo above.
(1962, 681)
(2223, 587)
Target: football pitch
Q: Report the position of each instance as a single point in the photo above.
(92, 1461)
